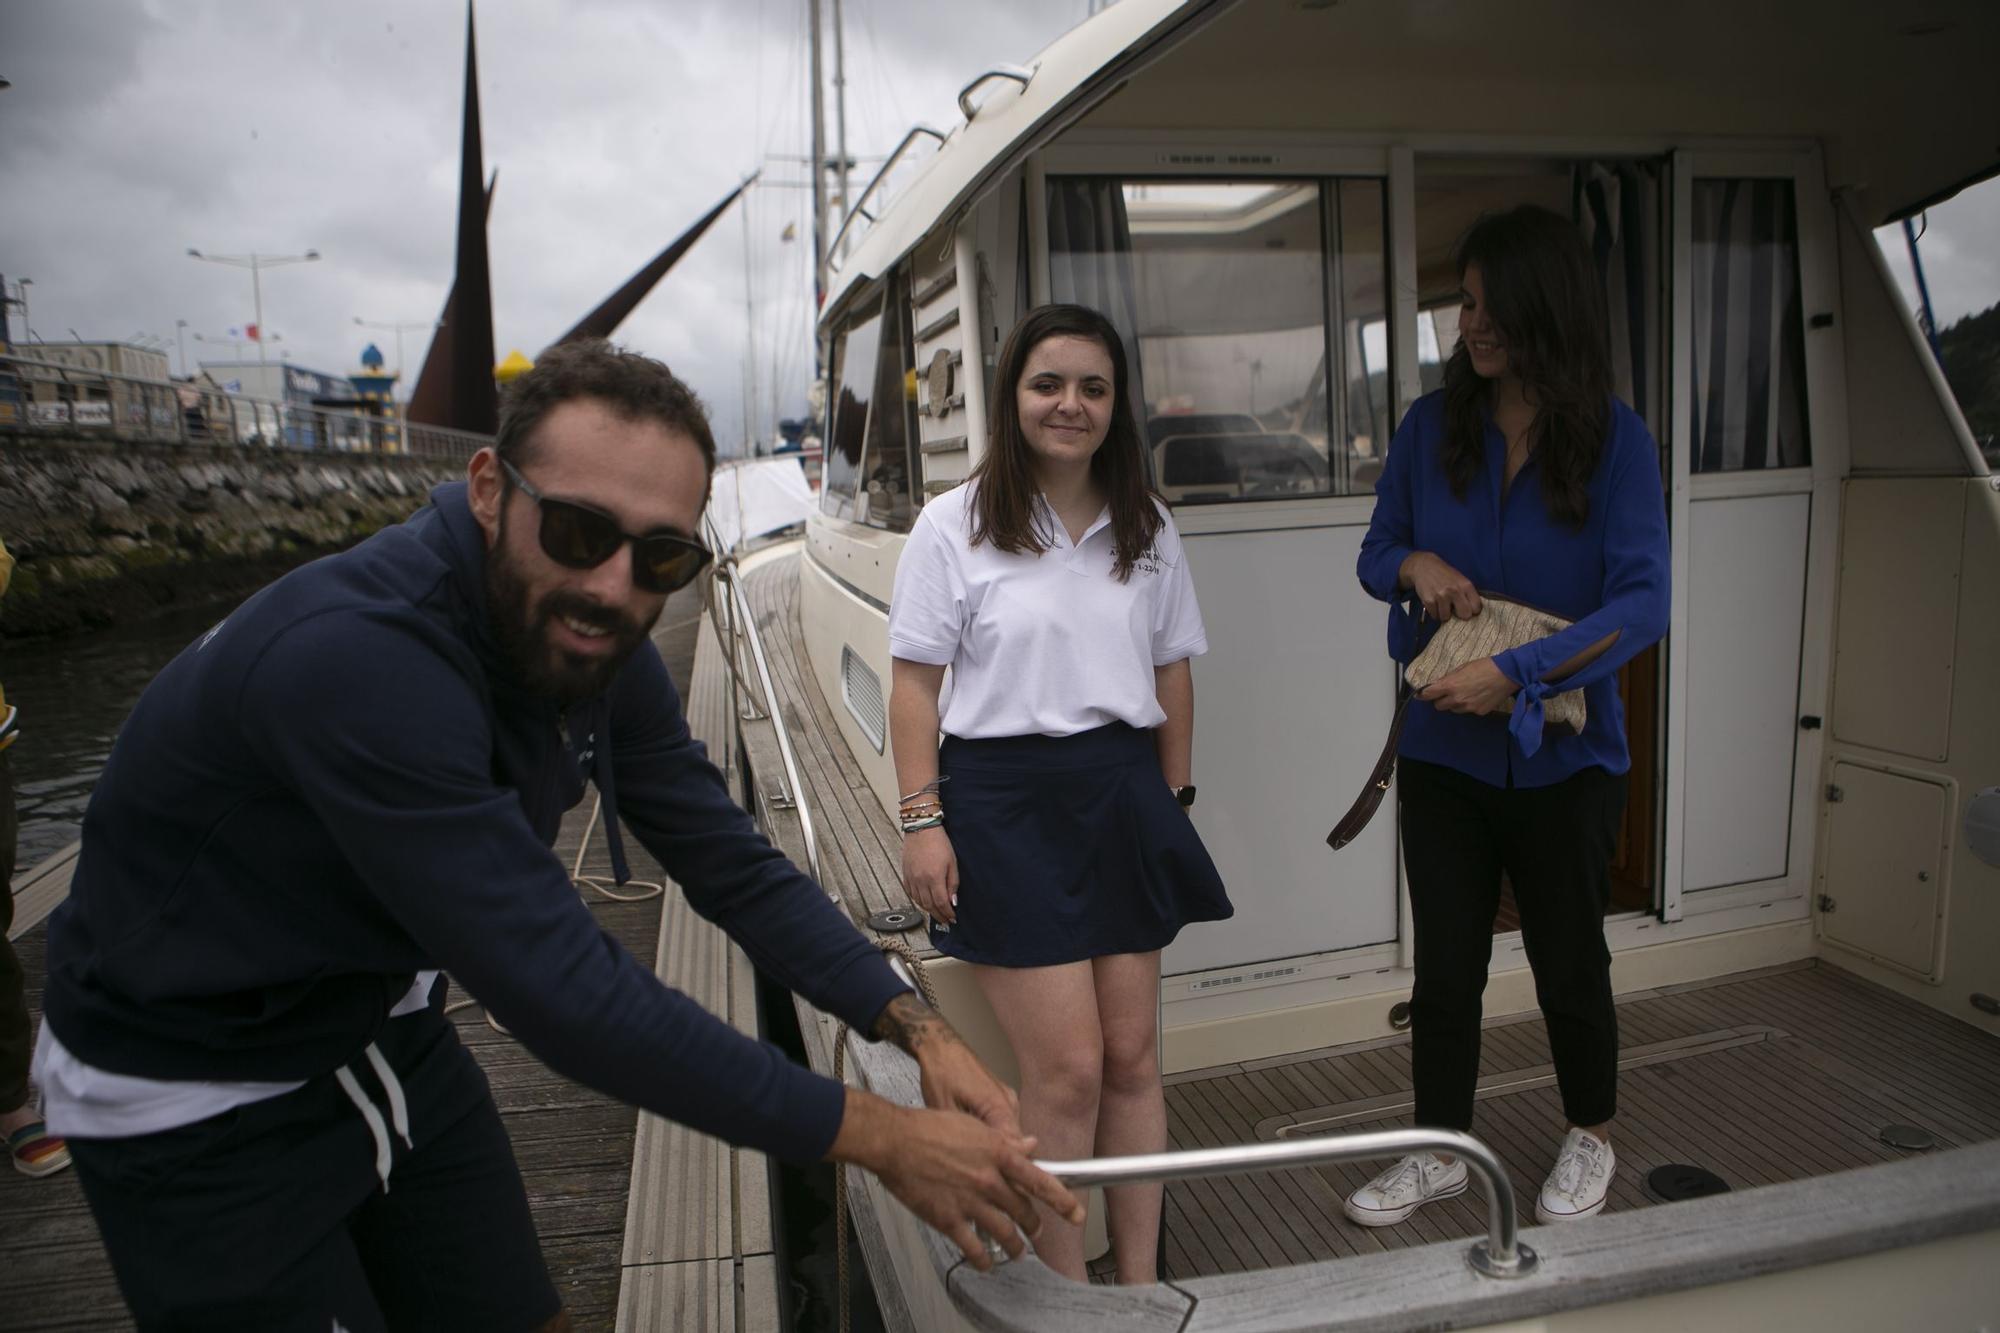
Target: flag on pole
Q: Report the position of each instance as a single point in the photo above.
(252, 332)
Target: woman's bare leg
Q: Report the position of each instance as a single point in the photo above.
(1132, 1112)
(1050, 1017)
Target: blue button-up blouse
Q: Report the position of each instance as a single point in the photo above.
(1611, 574)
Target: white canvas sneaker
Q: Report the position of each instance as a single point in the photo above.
(1580, 1180)
(1404, 1188)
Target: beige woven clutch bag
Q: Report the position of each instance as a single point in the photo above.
(1500, 625)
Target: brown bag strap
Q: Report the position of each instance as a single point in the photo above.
(1364, 807)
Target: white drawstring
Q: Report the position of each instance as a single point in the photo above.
(399, 1109)
(352, 1088)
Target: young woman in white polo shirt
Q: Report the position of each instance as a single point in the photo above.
(1047, 837)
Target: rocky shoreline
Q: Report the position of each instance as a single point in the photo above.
(104, 534)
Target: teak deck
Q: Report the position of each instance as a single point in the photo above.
(1761, 1078)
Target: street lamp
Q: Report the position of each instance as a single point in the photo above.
(27, 330)
(399, 325)
(181, 337)
(256, 263)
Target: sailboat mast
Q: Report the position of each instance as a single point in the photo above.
(818, 178)
(750, 433)
(840, 109)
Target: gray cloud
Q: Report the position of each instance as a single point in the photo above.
(1957, 243)
(138, 128)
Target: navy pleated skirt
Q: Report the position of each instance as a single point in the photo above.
(1069, 847)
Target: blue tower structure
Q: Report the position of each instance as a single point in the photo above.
(375, 387)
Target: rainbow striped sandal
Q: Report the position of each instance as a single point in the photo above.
(36, 1152)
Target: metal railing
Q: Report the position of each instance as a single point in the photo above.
(744, 624)
(1500, 1255)
(128, 408)
(860, 203)
(1020, 74)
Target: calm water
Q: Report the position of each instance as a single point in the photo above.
(74, 695)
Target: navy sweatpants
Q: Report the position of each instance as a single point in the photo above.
(273, 1217)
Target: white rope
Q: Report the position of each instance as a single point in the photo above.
(598, 883)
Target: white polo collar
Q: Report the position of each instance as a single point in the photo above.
(1061, 534)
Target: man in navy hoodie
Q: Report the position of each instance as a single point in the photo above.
(354, 781)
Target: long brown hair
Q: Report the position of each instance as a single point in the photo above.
(1543, 296)
(1004, 492)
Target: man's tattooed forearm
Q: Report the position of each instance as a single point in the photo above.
(911, 1024)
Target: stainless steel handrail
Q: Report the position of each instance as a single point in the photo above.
(740, 608)
(1500, 1255)
(888, 164)
(1020, 74)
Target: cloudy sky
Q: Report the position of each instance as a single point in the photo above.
(138, 128)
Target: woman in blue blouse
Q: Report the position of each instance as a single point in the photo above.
(1523, 476)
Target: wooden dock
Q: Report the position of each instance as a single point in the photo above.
(698, 1251)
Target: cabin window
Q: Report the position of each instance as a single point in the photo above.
(855, 351)
(1749, 361)
(883, 498)
(872, 419)
(1258, 313)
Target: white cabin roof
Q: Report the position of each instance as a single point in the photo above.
(1008, 117)
(1901, 98)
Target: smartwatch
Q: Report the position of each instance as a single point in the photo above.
(1185, 795)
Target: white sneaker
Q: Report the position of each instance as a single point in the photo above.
(1404, 1188)
(1580, 1180)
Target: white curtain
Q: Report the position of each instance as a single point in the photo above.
(1617, 208)
(1090, 261)
(1748, 368)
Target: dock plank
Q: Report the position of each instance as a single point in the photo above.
(37, 891)
(698, 1238)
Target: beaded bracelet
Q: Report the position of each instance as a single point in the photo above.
(930, 821)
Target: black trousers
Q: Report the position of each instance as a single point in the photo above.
(16, 1039)
(271, 1218)
(1555, 845)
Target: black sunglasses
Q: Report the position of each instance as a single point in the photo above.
(579, 537)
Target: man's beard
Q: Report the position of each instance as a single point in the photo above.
(525, 644)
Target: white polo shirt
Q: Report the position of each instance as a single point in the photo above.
(1049, 644)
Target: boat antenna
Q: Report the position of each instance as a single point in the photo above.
(1924, 316)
